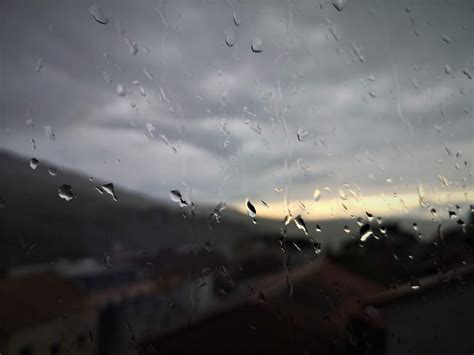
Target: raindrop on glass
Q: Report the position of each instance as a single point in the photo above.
(342, 195)
(50, 133)
(230, 38)
(208, 246)
(132, 46)
(98, 14)
(446, 38)
(339, 4)
(303, 166)
(107, 260)
(39, 65)
(317, 247)
(175, 196)
(415, 284)
(109, 188)
(34, 163)
(53, 171)
(365, 232)
(251, 211)
(452, 214)
(121, 90)
(217, 213)
(300, 224)
(236, 19)
(302, 134)
(65, 192)
(107, 77)
(467, 73)
(317, 194)
(347, 229)
(257, 45)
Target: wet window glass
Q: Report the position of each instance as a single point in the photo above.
(231, 177)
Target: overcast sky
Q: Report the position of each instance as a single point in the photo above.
(379, 92)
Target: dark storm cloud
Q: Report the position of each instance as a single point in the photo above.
(379, 90)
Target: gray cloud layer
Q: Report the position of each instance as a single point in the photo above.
(367, 83)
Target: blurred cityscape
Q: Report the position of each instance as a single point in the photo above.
(384, 290)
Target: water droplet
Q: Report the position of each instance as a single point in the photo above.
(370, 216)
(415, 284)
(300, 224)
(347, 229)
(230, 38)
(39, 65)
(236, 19)
(251, 211)
(317, 247)
(98, 14)
(147, 73)
(360, 221)
(317, 194)
(109, 188)
(379, 220)
(342, 195)
(339, 4)
(121, 90)
(467, 73)
(217, 213)
(383, 229)
(34, 163)
(150, 128)
(107, 77)
(208, 246)
(448, 70)
(303, 166)
(445, 38)
(287, 219)
(264, 203)
(318, 228)
(452, 214)
(176, 196)
(107, 260)
(132, 46)
(302, 134)
(261, 297)
(65, 192)
(257, 45)
(254, 126)
(433, 212)
(421, 195)
(50, 133)
(365, 232)
(142, 91)
(53, 171)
